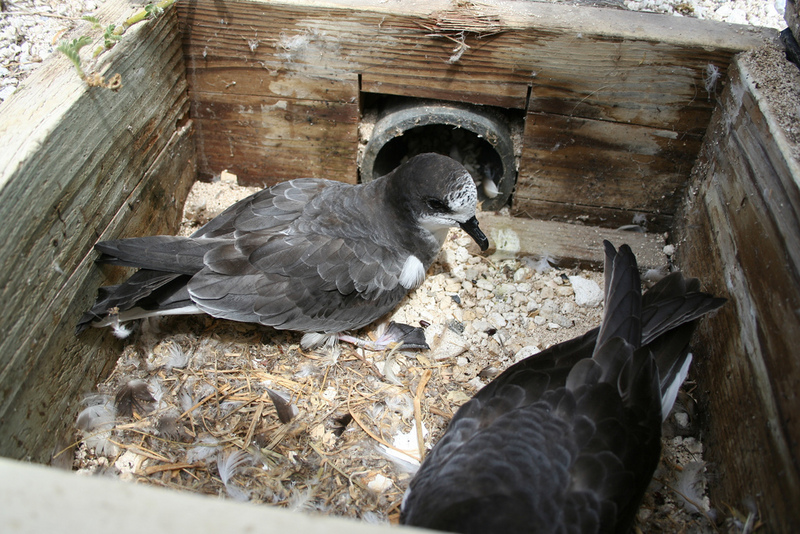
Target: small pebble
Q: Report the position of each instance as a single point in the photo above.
(682, 419)
(587, 292)
(562, 320)
(526, 351)
(497, 320)
(549, 308)
(484, 284)
(380, 484)
(523, 273)
(565, 291)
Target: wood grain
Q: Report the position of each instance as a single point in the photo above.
(638, 78)
(572, 245)
(266, 140)
(740, 232)
(601, 172)
(88, 163)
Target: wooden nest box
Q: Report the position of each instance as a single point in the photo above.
(588, 119)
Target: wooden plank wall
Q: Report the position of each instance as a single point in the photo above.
(616, 101)
(79, 164)
(740, 233)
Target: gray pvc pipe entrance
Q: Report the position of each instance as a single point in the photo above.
(483, 144)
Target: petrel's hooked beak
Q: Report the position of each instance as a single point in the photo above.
(471, 227)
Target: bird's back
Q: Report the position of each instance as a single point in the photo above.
(566, 440)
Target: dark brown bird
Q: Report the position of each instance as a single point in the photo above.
(567, 440)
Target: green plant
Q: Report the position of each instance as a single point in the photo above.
(111, 35)
(151, 11)
(94, 20)
(72, 49)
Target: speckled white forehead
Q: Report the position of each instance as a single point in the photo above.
(463, 193)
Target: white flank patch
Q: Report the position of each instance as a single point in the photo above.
(668, 399)
(139, 313)
(413, 273)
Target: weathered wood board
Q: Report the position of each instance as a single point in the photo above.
(80, 163)
(740, 233)
(572, 245)
(601, 172)
(617, 102)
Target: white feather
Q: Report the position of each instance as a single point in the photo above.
(490, 188)
(96, 422)
(690, 487)
(413, 273)
(204, 449)
(400, 403)
(120, 331)
(99, 416)
(185, 399)
(543, 264)
(176, 357)
(668, 399)
(304, 500)
(227, 465)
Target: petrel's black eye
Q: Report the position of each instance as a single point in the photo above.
(437, 205)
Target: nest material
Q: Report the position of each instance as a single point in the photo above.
(462, 22)
(456, 25)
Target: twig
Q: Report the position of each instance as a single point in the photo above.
(423, 381)
(144, 452)
(152, 469)
(279, 435)
(345, 475)
(216, 393)
(254, 422)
